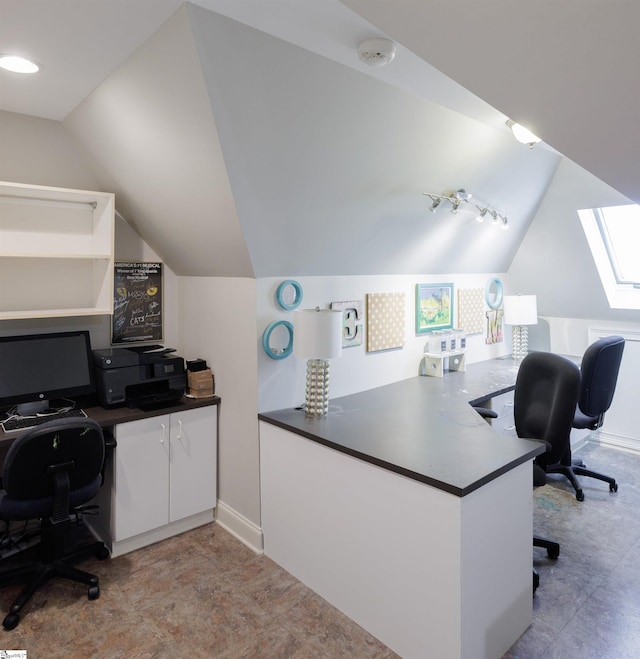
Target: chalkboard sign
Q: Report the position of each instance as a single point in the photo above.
(137, 303)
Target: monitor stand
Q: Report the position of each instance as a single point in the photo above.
(34, 408)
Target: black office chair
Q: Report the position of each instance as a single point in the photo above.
(544, 403)
(599, 375)
(50, 471)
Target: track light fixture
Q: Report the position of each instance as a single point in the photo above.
(454, 198)
(460, 197)
(436, 202)
(497, 218)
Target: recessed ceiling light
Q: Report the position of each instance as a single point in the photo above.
(18, 64)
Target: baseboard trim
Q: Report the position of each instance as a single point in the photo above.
(240, 527)
(120, 547)
(616, 441)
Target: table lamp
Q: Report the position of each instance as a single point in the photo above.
(317, 337)
(520, 311)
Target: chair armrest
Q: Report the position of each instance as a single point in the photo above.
(485, 412)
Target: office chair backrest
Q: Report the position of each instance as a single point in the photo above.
(546, 394)
(77, 445)
(600, 367)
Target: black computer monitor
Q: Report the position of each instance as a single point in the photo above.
(37, 368)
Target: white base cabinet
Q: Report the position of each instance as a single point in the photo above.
(443, 576)
(161, 480)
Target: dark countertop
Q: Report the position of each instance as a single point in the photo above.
(422, 428)
(118, 415)
(111, 417)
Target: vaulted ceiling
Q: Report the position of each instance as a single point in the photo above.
(249, 155)
(568, 70)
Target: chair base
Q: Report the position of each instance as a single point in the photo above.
(553, 548)
(570, 471)
(553, 551)
(38, 574)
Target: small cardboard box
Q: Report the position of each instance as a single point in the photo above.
(199, 376)
(197, 386)
(201, 393)
(201, 383)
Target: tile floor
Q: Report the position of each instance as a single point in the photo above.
(588, 602)
(203, 594)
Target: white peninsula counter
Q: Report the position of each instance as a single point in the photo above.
(406, 511)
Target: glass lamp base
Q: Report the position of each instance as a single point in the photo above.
(520, 342)
(316, 401)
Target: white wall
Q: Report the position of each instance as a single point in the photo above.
(282, 382)
(218, 323)
(554, 260)
(40, 152)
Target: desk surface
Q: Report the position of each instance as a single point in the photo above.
(422, 428)
(116, 415)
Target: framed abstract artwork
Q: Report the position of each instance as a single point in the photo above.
(434, 307)
(385, 321)
(471, 310)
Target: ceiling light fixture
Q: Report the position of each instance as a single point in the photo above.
(454, 198)
(17, 64)
(376, 52)
(522, 134)
(460, 197)
(496, 217)
(436, 202)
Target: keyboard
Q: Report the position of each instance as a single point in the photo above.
(27, 422)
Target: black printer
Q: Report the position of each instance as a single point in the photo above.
(138, 377)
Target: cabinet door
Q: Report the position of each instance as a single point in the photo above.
(141, 476)
(193, 462)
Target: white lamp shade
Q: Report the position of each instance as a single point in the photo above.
(317, 333)
(520, 310)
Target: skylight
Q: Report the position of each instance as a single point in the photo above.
(620, 229)
(613, 234)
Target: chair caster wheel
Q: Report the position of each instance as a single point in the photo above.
(613, 487)
(11, 621)
(102, 553)
(93, 593)
(580, 495)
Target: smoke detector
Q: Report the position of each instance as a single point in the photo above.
(376, 52)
